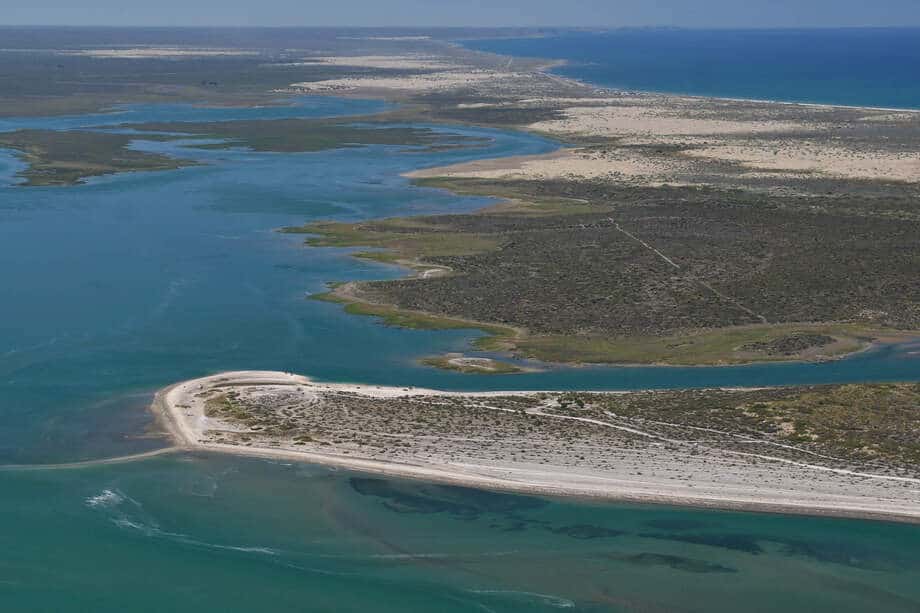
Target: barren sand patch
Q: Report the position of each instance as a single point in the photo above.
(399, 62)
(571, 163)
(434, 81)
(814, 157)
(650, 117)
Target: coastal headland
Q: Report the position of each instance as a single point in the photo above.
(846, 451)
(666, 230)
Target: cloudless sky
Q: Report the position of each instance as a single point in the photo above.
(686, 13)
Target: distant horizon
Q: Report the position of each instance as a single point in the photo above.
(698, 14)
(136, 26)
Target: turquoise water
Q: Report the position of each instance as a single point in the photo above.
(855, 66)
(222, 534)
(119, 287)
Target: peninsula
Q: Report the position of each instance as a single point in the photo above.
(847, 450)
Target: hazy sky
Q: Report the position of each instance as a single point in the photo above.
(689, 13)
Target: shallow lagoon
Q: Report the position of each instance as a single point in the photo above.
(132, 282)
(116, 288)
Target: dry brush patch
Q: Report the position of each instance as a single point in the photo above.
(865, 427)
(597, 272)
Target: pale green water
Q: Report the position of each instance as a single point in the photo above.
(114, 289)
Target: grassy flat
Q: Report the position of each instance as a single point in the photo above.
(68, 157)
(303, 135)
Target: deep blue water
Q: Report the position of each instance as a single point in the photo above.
(856, 67)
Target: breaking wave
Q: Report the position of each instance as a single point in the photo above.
(128, 514)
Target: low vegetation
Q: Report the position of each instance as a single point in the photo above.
(65, 158)
(392, 316)
(595, 272)
(871, 426)
(864, 423)
(303, 135)
(69, 157)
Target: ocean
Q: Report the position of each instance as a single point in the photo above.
(852, 67)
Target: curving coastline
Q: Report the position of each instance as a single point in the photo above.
(646, 470)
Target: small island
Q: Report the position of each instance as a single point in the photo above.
(474, 365)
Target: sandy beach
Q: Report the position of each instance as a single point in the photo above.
(609, 460)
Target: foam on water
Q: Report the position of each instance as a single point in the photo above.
(105, 499)
(128, 514)
(553, 601)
